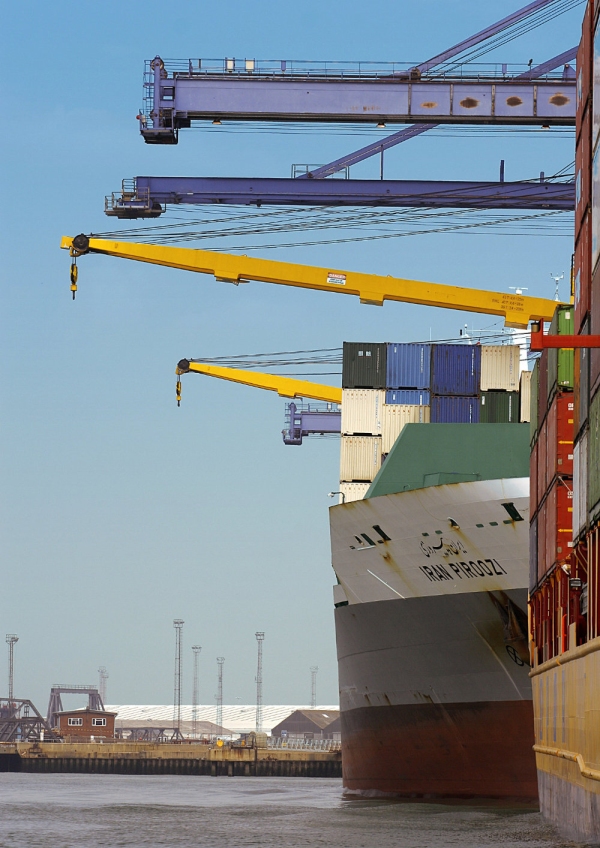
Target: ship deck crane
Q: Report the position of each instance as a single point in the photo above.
(284, 386)
(517, 310)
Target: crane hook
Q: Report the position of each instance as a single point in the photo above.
(74, 276)
(178, 392)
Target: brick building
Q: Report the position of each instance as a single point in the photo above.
(87, 723)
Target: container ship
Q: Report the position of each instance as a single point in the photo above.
(430, 549)
(565, 514)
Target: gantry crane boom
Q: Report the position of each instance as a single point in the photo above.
(284, 386)
(516, 309)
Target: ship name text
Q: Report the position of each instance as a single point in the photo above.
(463, 570)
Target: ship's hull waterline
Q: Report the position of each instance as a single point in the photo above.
(434, 688)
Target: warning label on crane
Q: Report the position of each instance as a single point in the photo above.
(336, 279)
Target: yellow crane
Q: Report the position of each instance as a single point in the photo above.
(516, 309)
(284, 386)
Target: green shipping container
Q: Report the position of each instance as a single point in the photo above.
(499, 408)
(535, 385)
(594, 457)
(561, 363)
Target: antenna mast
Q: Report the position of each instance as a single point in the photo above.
(313, 691)
(178, 625)
(196, 649)
(259, 682)
(11, 638)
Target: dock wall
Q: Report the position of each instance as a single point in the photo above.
(167, 758)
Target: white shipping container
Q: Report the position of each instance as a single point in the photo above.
(500, 368)
(353, 491)
(361, 411)
(580, 480)
(360, 458)
(395, 416)
(525, 397)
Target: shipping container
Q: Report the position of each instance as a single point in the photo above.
(499, 408)
(454, 410)
(583, 188)
(455, 369)
(559, 523)
(594, 354)
(542, 387)
(362, 411)
(533, 404)
(541, 541)
(525, 397)
(594, 458)
(582, 270)
(414, 397)
(408, 366)
(583, 67)
(360, 458)
(500, 368)
(533, 553)
(364, 365)
(542, 478)
(533, 480)
(353, 491)
(580, 478)
(561, 360)
(595, 203)
(559, 437)
(395, 416)
(581, 384)
(594, 83)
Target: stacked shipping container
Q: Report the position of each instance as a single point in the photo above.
(564, 590)
(551, 484)
(385, 387)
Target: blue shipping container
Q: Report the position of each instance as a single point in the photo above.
(414, 397)
(454, 410)
(408, 366)
(455, 369)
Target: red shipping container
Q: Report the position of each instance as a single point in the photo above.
(541, 540)
(542, 483)
(543, 386)
(533, 481)
(583, 169)
(595, 330)
(560, 436)
(584, 65)
(559, 523)
(582, 271)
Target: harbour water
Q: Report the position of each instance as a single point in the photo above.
(106, 811)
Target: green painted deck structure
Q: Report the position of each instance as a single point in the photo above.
(436, 454)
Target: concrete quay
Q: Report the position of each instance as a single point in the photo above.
(167, 758)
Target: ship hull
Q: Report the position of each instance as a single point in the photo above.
(435, 694)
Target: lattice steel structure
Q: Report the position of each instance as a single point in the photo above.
(178, 625)
(55, 705)
(11, 638)
(259, 682)
(102, 678)
(21, 722)
(313, 687)
(220, 661)
(196, 649)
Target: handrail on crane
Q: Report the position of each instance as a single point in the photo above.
(284, 386)
(517, 310)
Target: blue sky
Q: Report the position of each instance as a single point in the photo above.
(121, 512)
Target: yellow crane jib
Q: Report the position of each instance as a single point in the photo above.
(284, 386)
(516, 309)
